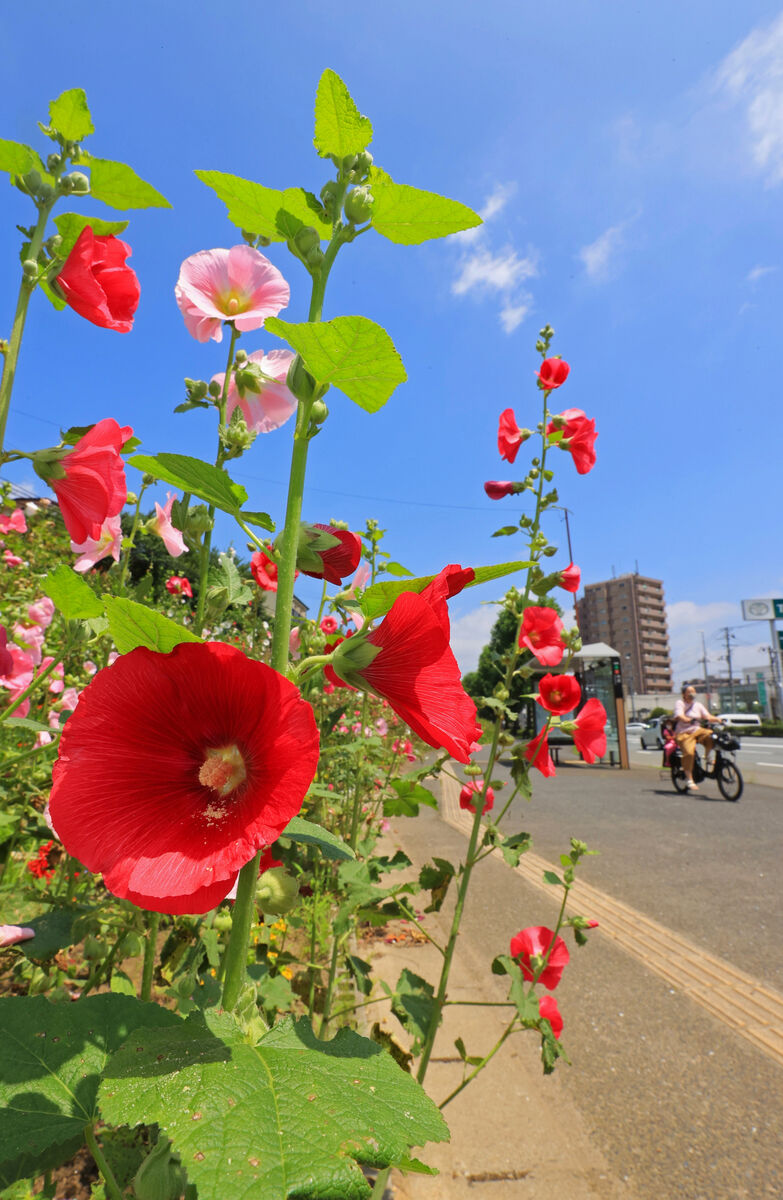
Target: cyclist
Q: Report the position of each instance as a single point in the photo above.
(688, 712)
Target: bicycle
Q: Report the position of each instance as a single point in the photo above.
(724, 767)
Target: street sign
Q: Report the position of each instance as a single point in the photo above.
(780, 639)
(762, 610)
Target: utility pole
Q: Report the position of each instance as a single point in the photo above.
(727, 632)
(704, 668)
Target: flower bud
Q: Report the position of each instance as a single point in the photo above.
(32, 180)
(277, 891)
(223, 921)
(132, 498)
(160, 1176)
(65, 184)
(130, 945)
(362, 166)
(299, 380)
(214, 389)
(53, 162)
(505, 739)
(358, 205)
(329, 194)
(29, 268)
(501, 693)
(240, 358)
(314, 258)
(199, 520)
(80, 184)
(305, 239)
(473, 769)
(93, 947)
(318, 414)
(348, 163)
(148, 479)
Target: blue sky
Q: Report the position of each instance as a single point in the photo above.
(629, 162)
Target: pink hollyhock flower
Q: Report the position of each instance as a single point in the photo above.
(548, 1011)
(541, 633)
(69, 699)
(32, 636)
(570, 578)
(295, 641)
(6, 659)
(15, 523)
(19, 677)
(356, 727)
(93, 486)
(329, 625)
(89, 666)
(467, 797)
(589, 731)
(510, 436)
(42, 739)
(326, 552)
(579, 436)
(553, 373)
(496, 489)
(239, 285)
(169, 799)
(537, 754)
(56, 685)
(42, 612)
(270, 407)
(178, 585)
(107, 545)
(382, 726)
(12, 560)
(97, 284)
(360, 579)
(407, 660)
(11, 934)
(534, 943)
(559, 694)
(161, 524)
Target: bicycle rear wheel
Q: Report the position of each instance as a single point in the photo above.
(679, 778)
(730, 781)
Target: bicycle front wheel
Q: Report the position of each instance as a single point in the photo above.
(730, 781)
(679, 778)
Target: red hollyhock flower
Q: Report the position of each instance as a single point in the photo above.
(534, 943)
(579, 434)
(559, 693)
(333, 561)
(407, 660)
(6, 660)
(589, 731)
(467, 797)
(93, 488)
(329, 624)
(179, 585)
(176, 768)
(570, 578)
(264, 571)
(553, 373)
(97, 284)
(510, 436)
(496, 489)
(547, 1008)
(537, 754)
(40, 866)
(541, 633)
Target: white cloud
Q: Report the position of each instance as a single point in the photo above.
(600, 258)
(758, 273)
(514, 314)
(470, 634)
(688, 620)
(483, 270)
(752, 76)
(495, 202)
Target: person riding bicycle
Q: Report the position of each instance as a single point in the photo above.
(688, 712)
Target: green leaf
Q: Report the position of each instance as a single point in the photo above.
(409, 796)
(330, 846)
(72, 594)
(201, 479)
(121, 984)
(505, 531)
(551, 877)
(70, 116)
(413, 1003)
(53, 1056)
(118, 185)
(18, 159)
(26, 723)
(361, 972)
(395, 568)
(69, 226)
(132, 625)
(435, 877)
(378, 599)
(340, 128)
(408, 215)
(261, 519)
(54, 930)
(513, 847)
(353, 353)
(291, 1113)
(266, 212)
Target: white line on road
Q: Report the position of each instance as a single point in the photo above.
(763, 764)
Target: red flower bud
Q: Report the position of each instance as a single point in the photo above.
(554, 372)
(97, 284)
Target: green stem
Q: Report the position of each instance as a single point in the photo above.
(112, 1187)
(153, 922)
(26, 289)
(330, 987)
(480, 1066)
(235, 957)
(314, 940)
(20, 699)
(16, 758)
(357, 798)
(379, 1187)
(132, 537)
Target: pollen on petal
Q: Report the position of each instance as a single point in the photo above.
(223, 770)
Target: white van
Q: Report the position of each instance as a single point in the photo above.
(735, 720)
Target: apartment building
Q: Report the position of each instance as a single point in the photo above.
(629, 614)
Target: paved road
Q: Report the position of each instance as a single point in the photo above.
(759, 759)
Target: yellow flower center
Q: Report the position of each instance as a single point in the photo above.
(223, 770)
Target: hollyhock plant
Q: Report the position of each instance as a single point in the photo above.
(19, 677)
(326, 552)
(239, 285)
(12, 560)
(534, 943)
(559, 694)
(407, 660)
(329, 626)
(578, 436)
(537, 754)
(98, 284)
(469, 792)
(589, 731)
(89, 480)
(553, 373)
(179, 585)
(570, 578)
(6, 659)
(32, 638)
(541, 633)
(14, 522)
(510, 436)
(405, 748)
(161, 524)
(496, 489)
(548, 1010)
(176, 768)
(264, 570)
(42, 612)
(93, 550)
(269, 407)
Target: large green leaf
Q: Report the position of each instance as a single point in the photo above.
(330, 846)
(132, 625)
(18, 159)
(413, 1004)
(70, 115)
(290, 1116)
(408, 215)
(201, 479)
(340, 128)
(53, 1056)
(379, 598)
(72, 594)
(266, 212)
(54, 930)
(353, 353)
(410, 795)
(118, 185)
(69, 226)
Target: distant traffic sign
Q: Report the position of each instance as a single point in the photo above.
(763, 610)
